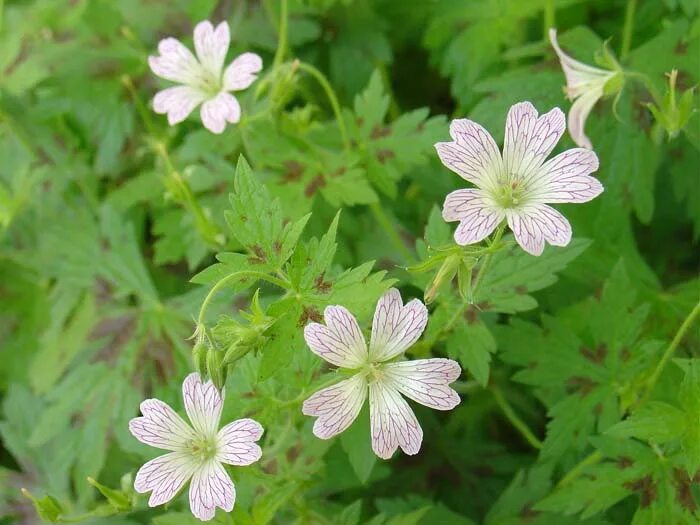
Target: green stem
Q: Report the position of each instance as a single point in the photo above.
(514, 419)
(183, 193)
(549, 18)
(685, 326)
(628, 28)
(282, 35)
(232, 277)
(391, 232)
(332, 98)
(575, 472)
(487, 259)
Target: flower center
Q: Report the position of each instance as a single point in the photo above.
(509, 194)
(373, 372)
(203, 448)
(209, 83)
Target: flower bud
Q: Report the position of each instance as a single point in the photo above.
(48, 508)
(445, 274)
(215, 368)
(199, 357)
(116, 498)
(673, 112)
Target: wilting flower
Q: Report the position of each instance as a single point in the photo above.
(395, 328)
(198, 451)
(204, 79)
(585, 85)
(517, 185)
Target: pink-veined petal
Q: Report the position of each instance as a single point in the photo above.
(164, 476)
(579, 76)
(160, 426)
(473, 154)
(242, 72)
(178, 102)
(536, 223)
(395, 327)
(211, 45)
(210, 488)
(203, 404)
(578, 114)
(392, 421)
(477, 214)
(236, 442)
(339, 341)
(426, 381)
(336, 406)
(175, 63)
(565, 178)
(529, 139)
(219, 110)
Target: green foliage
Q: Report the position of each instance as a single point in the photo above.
(133, 252)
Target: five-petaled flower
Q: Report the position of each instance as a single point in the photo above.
(585, 85)
(198, 451)
(395, 328)
(204, 79)
(516, 185)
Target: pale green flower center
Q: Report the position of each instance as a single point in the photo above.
(510, 194)
(373, 372)
(203, 448)
(209, 83)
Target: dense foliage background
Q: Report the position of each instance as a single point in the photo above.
(570, 411)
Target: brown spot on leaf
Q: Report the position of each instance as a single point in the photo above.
(624, 462)
(520, 289)
(292, 171)
(380, 131)
(527, 512)
(309, 313)
(258, 255)
(580, 384)
(277, 246)
(646, 487)
(339, 172)
(313, 186)
(321, 285)
(625, 354)
(681, 48)
(684, 493)
(385, 154)
(471, 315)
(596, 356)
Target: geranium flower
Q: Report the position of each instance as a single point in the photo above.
(517, 185)
(198, 451)
(585, 85)
(204, 80)
(395, 328)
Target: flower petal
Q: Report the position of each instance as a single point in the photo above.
(534, 224)
(529, 139)
(425, 381)
(473, 155)
(211, 45)
(203, 404)
(219, 110)
(395, 327)
(210, 488)
(164, 476)
(392, 421)
(578, 114)
(178, 102)
(579, 76)
(242, 72)
(565, 178)
(336, 406)
(160, 426)
(176, 63)
(477, 214)
(236, 442)
(339, 341)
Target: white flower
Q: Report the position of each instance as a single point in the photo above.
(204, 80)
(517, 185)
(395, 328)
(585, 85)
(198, 451)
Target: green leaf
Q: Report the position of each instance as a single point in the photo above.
(357, 445)
(472, 344)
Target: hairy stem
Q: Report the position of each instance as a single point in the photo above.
(332, 98)
(549, 18)
(243, 274)
(282, 35)
(575, 472)
(514, 419)
(487, 259)
(680, 334)
(628, 28)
